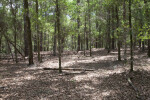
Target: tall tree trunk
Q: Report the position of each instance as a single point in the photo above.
(37, 29)
(119, 51)
(87, 41)
(28, 31)
(15, 40)
(85, 35)
(89, 15)
(62, 42)
(125, 36)
(148, 22)
(96, 43)
(81, 40)
(78, 20)
(41, 41)
(97, 28)
(26, 47)
(35, 43)
(15, 29)
(141, 26)
(99, 38)
(55, 41)
(108, 31)
(44, 41)
(72, 42)
(140, 44)
(48, 42)
(59, 34)
(148, 48)
(0, 45)
(134, 42)
(143, 45)
(131, 38)
(113, 28)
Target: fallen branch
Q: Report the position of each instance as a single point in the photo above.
(74, 69)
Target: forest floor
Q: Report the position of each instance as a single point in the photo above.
(108, 81)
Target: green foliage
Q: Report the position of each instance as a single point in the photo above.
(70, 11)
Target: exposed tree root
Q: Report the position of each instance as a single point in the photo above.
(138, 96)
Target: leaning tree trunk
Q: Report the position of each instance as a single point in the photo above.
(131, 38)
(10, 50)
(13, 45)
(28, 31)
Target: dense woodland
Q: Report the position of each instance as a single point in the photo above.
(90, 37)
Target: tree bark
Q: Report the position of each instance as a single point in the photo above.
(35, 43)
(55, 41)
(125, 36)
(131, 38)
(143, 46)
(108, 31)
(15, 29)
(37, 29)
(148, 21)
(26, 47)
(85, 35)
(59, 34)
(117, 18)
(28, 31)
(0, 45)
(41, 41)
(87, 41)
(45, 38)
(72, 37)
(78, 20)
(89, 19)
(113, 28)
(99, 38)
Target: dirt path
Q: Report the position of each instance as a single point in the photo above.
(107, 82)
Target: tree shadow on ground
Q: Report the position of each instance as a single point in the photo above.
(50, 85)
(107, 84)
(121, 90)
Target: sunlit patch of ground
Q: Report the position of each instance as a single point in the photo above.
(108, 81)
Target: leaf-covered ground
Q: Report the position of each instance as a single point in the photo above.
(108, 81)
